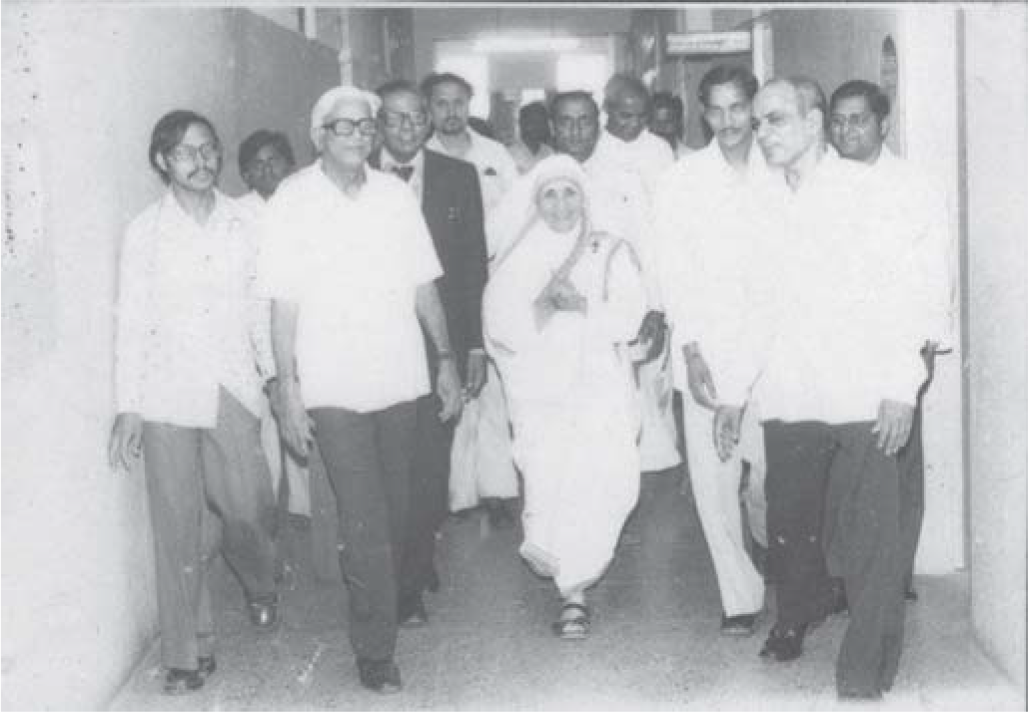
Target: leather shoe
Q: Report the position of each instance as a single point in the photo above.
(180, 682)
(784, 644)
(381, 676)
(264, 612)
(738, 625)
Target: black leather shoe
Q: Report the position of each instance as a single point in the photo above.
(738, 625)
(263, 612)
(206, 666)
(381, 676)
(784, 644)
(180, 682)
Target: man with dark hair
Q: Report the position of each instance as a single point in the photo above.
(448, 97)
(667, 120)
(448, 192)
(192, 355)
(632, 155)
(859, 125)
(708, 255)
(533, 143)
(265, 159)
(835, 377)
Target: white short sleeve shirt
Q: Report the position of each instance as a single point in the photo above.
(353, 266)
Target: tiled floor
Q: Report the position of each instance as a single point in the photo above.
(655, 643)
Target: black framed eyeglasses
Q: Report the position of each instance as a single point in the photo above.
(346, 127)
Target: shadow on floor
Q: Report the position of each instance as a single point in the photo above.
(655, 642)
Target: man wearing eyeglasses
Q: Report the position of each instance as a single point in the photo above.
(350, 267)
(192, 353)
(859, 125)
(448, 191)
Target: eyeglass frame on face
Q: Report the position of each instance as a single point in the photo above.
(395, 119)
(365, 127)
(183, 153)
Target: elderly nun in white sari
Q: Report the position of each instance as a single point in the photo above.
(564, 300)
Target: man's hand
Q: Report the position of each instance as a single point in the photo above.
(295, 425)
(652, 332)
(126, 444)
(447, 388)
(893, 425)
(701, 382)
(476, 374)
(727, 429)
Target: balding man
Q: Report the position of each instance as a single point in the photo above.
(348, 259)
(838, 377)
(626, 162)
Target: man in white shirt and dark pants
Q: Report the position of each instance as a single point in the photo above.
(859, 125)
(192, 354)
(836, 385)
(706, 232)
(350, 267)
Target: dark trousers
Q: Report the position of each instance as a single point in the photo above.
(368, 457)
(834, 506)
(429, 482)
(187, 470)
(911, 464)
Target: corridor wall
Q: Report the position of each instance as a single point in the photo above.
(83, 86)
(996, 98)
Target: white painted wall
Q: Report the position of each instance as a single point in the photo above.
(996, 77)
(83, 86)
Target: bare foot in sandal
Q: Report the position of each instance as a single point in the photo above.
(573, 623)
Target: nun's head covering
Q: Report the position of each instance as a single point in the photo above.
(517, 212)
(323, 107)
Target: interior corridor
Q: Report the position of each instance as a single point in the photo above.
(655, 641)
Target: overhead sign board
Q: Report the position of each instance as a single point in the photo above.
(708, 43)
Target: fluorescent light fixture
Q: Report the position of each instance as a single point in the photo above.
(526, 44)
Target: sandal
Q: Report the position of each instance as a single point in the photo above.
(575, 626)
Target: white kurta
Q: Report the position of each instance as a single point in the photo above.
(623, 177)
(572, 400)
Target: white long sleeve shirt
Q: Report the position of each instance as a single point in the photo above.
(912, 206)
(189, 320)
(709, 238)
(624, 176)
(848, 326)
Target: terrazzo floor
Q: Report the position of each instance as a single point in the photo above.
(654, 645)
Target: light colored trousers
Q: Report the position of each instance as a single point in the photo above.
(715, 486)
(188, 469)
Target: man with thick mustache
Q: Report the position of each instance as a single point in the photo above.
(706, 246)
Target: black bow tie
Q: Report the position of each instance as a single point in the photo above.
(405, 172)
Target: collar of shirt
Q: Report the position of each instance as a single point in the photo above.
(173, 220)
(387, 162)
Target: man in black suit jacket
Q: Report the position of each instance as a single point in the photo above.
(451, 202)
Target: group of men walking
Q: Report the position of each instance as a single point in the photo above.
(791, 290)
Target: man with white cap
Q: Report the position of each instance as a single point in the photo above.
(349, 265)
